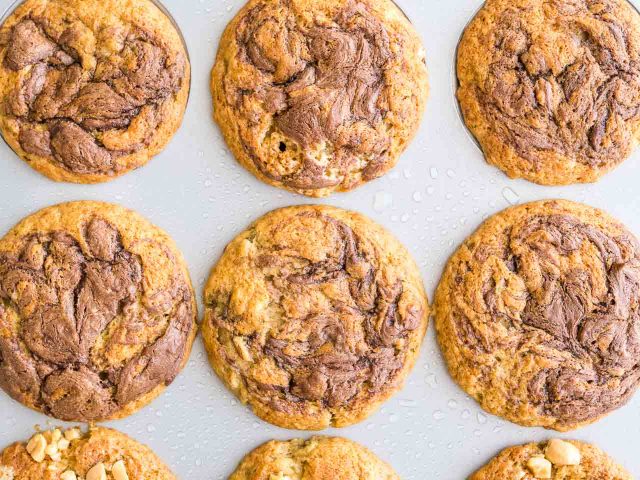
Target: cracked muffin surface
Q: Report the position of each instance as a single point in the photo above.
(537, 314)
(76, 454)
(319, 458)
(90, 89)
(551, 88)
(97, 312)
(554, 460)
(314, 316)
(319, 96)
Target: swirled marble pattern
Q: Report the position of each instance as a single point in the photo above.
(97, 313)
(318, 97)
(537, 314)
(551, 88)
(314, 316)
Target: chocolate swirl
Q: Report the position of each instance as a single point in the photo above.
(551, 88)
(88, 94)
(312, 94)
(325, 329)
(537, 315)
(81, 336)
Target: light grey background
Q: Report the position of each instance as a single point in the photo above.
(437, 195)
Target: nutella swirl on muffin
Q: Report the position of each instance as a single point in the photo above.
(97, 314)
(90, 90)
(314, 316)
(551, 88)
(538, 314)
(319, 97)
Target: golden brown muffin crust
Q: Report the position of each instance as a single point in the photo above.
(90, 89)
(515, 463)
(319, 96)
(319, 458)
(97, 312)
(85, 451)
(537, 314)
(314, 316)
(551, 88)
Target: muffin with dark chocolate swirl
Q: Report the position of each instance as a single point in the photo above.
(551, 88)
(97, 312)
(90, 89)
(314, 316)
(319, 96)
(538, 314)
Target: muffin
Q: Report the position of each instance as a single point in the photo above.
(554, 460)
(98, 454)
(319, 458)
(537, 314)
(551, 90)
(90, 89)
(319, 96)
(314, 316)
(97, 312)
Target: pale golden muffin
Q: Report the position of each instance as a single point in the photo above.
(314, 316)
(98, 454)
(551, 88)
(555, 460)
(319, 458)
(317, 96)
(90, 89)
(537, 314)
(97, 312)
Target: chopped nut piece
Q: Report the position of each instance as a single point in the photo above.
(56, 435)
(6, 473)
(279, 476)
(63, 444)
(72, 434)
(36, 447)
(242, 349)
(560, 452)
(97, 472)
(119, 471)
(68, 475)
(539, 466)
(51, 449)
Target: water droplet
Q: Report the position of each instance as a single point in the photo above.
(433, 171)
(417, 196)
(382, 200)
(451, 173)
(151, 428)
(465, 414)
(407, 173)
(430, 190)
(208, 182)
(452, 404)
(438, 415)
(482, 418)
(510, 196)
(404, 218)
(431, 380)
(408, 403)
